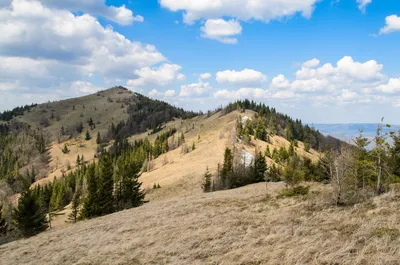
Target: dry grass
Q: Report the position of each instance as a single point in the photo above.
(237, 226)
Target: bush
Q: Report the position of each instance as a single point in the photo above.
(295, 191)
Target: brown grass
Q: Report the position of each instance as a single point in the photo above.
(237, 226)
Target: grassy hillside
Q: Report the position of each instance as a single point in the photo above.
(250, 225)
(104, 107)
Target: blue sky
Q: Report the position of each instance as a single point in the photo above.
(322, 61)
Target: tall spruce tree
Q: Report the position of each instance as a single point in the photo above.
(106, 186)
(91, 205)
(227, 167)
(260, 167)
(29, 216)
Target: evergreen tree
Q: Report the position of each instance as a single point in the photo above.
(260, 167)
(267, 151)
(193, 146)
(73, 216)
(87, 137)
(28, 216)
(227, 167)
(98, 138)
(307, 147)
(260, 132)
(206, 185)
(78, 161)
(65, 149)
(106, 186)
(91, 204)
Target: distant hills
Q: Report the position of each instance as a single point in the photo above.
(347, 132)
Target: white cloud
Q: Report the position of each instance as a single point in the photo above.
(246, 77)
(120, 15)
(83, 87)
(311, 63)
(195, 89)
(163, 75)
(244, 10)
(362, 4)
(221, 30)
(205, 76)
(46, 48)
(170, 93)
(250, 93)
(280, 82)
(154, 93)
(392, 24)
(393, 86)
(283, 94)
(312, 85)
(38, 32)
(348, 94)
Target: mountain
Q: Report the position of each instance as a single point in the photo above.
(347, 132)
(268, 187)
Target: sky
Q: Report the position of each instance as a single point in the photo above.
(321, 61)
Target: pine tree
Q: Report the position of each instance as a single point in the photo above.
(98, 138)
(227, 167)
(78, 161)
(73, 216)
(206, 185)
(87, 137)
(268, 152)
(28, 216)
(260, 132)
(260, 167)
(91, 205)
(307, 147)
(106, 186)
(193, 146)
(65, 149)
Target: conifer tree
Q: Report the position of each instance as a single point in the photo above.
(260, 167)
(307, 147)
(227, 167)
(106, 186)
(193, 146)
(87, 137)
(65, 149)
(73, 216)
(260, 132)
(206, 185)
(90, 206)
(28, 216)
(98, 138)
(267, 151)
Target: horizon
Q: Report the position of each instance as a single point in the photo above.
(199, 56)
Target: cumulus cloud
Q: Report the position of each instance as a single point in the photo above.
(246, 77)
(163, 75)
(241, 9)
(392, 25)
(311, 63)
(205, 76)
(195, 89)
(221, 30)
(45, 47)
(154, 93)
(83, 87)
(362, 4)
(120, 15)
(393, 86)
(280, 82)
(250, 93)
